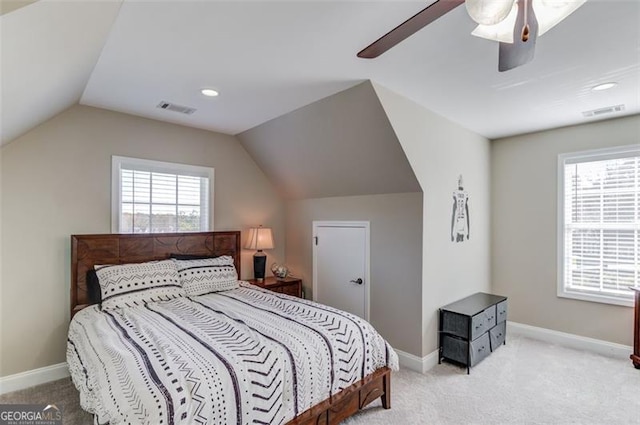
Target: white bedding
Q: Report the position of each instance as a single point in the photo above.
(244, 356)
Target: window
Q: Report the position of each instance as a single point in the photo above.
(599, 225)
(160, 197)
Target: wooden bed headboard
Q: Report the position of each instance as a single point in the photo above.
(89, 250)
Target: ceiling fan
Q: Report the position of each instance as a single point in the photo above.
(515, 24)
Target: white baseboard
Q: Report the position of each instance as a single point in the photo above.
(415, 363)
(33, 377)
(605, 348)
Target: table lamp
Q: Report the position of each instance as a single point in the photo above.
(259, 238)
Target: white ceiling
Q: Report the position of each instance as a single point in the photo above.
(269, 58)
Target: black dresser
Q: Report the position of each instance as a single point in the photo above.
(470, 329)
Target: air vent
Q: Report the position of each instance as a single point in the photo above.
(176, 108)
(603, 111)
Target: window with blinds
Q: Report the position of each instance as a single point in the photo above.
(599, 225)
(160, 197)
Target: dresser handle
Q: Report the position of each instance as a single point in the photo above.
(502, 312)
(491, 318)
(481, 349)
(479, 326)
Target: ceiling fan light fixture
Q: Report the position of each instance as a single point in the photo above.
(502, 31)
(557, 3)
(549, 13)
(488, 12)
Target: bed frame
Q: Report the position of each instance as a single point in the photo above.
(89, 250)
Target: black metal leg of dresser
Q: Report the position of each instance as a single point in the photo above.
(439, 336)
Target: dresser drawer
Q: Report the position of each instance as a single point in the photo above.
(480, 348)
(455, 324)
(497, 335)
(460, 350)
(483, 321)
(455, 349)
(490, 314)
(502, 311)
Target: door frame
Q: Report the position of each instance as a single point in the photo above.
(367, 281)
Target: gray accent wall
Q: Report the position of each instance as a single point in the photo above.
(339, 159)
(524, 235)
(395, 251)
(341, 145)
(56, 181)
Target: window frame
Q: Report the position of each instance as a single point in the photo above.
(580, 157)
(160, 167)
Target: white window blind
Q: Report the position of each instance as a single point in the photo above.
(600, 225)
(160, 197)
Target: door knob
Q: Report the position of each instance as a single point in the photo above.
(358, 281)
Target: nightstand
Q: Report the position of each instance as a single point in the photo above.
(287, 285)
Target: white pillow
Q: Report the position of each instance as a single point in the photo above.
(208, 275)
(129, 285)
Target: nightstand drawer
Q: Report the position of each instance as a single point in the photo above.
(287, 285)
(292, 290)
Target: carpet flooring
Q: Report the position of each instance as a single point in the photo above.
(524, 382)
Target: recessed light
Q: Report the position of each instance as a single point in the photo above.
(209, 92)
(604, 86)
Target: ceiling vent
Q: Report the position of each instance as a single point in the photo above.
(176, 108)
(603, 111)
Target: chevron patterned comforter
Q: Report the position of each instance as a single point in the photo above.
(244, 356)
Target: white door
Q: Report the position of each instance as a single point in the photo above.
(341, 265)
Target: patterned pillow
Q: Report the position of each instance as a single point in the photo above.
(129, 285)
(204, 276)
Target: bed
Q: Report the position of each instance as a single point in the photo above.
(245, 355)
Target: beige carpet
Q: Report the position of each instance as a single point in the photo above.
(524, 382)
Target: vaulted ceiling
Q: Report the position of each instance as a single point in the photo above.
(270, 58)
(341, 145)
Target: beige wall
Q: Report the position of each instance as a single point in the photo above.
(395, 256)
(56, 182)
(524, 220)
(439, 151)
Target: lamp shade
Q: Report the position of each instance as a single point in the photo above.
(259, 238)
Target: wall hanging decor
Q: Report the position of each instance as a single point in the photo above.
(460, 214)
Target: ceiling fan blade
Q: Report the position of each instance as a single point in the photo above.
(409, 27)
(521, 51)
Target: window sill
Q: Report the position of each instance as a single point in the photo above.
(603, 299)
